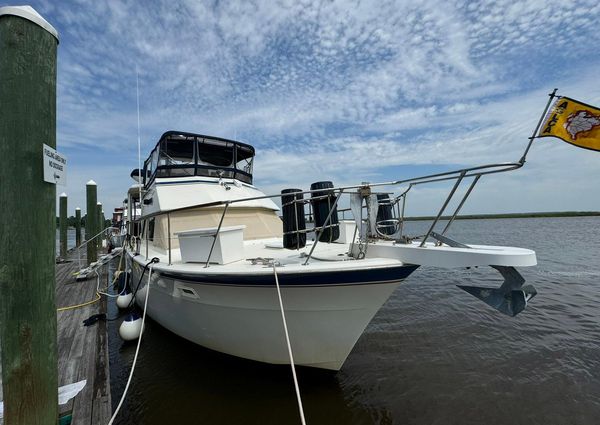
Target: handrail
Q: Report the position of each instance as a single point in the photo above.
(325, 223)
(216, 235)
(458, 175)
(441, 211)
(450, 175)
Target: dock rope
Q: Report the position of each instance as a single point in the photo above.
(99, 292)
(73, 307)
(137, 350)
(289, 347)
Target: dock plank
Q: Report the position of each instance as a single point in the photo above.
(83, 351)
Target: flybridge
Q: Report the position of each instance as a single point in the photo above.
(179, 154)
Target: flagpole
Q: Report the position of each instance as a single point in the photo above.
(537, 127)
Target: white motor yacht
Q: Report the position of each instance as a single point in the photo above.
(221, 245)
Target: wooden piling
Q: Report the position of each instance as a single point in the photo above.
(28, 46)
(100, 223)
(77, 226)
(62, 220)
(91, 220)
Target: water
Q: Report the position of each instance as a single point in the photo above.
(432, 355)
(70, 239)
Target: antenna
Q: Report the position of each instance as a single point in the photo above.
(137, 91)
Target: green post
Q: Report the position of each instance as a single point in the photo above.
(62, 220)
(100, 224)
(91, 222)
(77, 226)
(103, 220)
(28, 46)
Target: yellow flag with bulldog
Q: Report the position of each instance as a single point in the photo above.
(574, 122)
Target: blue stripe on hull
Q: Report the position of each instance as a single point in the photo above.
(330, 278)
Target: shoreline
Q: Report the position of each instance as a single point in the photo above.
(511, 215)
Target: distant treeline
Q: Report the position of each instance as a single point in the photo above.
(513, 215)
(72, 221)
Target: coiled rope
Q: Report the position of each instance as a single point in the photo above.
(289, 347)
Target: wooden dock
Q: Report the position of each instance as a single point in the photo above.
(82, 350)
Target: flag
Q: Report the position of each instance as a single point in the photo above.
(574, 122)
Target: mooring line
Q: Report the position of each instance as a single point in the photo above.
(99, 292)
(73, 307)
(289, 347)
(137, 350)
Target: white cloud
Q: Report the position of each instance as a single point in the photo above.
(381, 84)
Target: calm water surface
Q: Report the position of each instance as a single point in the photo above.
(432, 355)
(70, 238)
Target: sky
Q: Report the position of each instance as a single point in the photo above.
(348, 91)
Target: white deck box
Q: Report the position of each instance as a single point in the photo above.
(195, 245)
(347, 228)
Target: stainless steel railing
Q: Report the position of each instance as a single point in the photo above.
(399, 201)
(87, 241)
(459, 175)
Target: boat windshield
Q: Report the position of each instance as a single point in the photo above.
(180, 155)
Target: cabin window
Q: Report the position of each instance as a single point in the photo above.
(216, 153)
(186, 154)
(177, 157)
(215, 158)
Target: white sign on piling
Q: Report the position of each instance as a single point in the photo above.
(55, 166)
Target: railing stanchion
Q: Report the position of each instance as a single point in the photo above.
(169, 234)
(216, 235)
(402, 214)
(462, 202)
(318, 235)
(462, 174)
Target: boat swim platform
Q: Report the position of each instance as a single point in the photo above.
(82, 350)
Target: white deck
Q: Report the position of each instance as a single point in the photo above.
(288, 260)
(331, 257)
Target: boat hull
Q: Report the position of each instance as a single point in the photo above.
(244, 320)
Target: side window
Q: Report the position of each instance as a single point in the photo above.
(151, 229)
(244, 158)
(154, 160)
